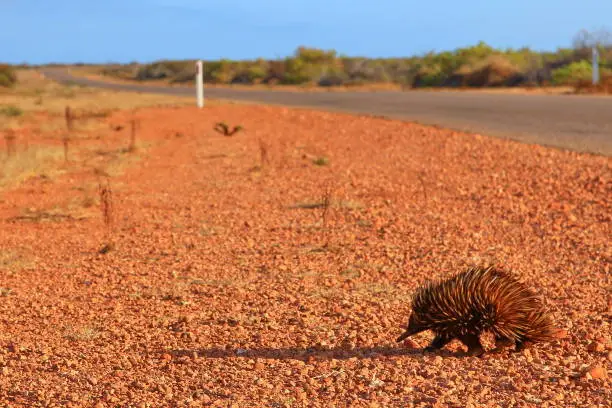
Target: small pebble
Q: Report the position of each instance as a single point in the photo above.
(596, 347)
(596, 371)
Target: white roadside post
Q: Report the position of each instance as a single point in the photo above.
(200, 83)
(595, 67)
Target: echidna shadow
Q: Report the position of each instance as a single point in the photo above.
(478, 300)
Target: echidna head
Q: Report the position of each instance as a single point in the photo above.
(415, 325)
(418, 321)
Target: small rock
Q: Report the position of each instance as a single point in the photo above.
(559, 397)
(410, 344)
(596, 371)
(259, 366)
(166, 357)
(610, 356)
(561, 334)
(596, 347)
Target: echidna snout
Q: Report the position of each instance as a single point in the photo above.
(414, 327)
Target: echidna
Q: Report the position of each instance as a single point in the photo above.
(475, 301)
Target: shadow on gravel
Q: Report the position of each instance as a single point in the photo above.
(308, 353)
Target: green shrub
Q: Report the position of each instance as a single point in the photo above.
(426, 76)
(572, 73)
(478, 65)
(251, 74)
(8, 77)
(363, 71)
(121, 71)
(321, 161)
(494, 70)
(163, 70)
(219, 72)
(297, 71)
(10, 111)
(315, 55)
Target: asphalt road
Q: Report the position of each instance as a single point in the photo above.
(575, 122)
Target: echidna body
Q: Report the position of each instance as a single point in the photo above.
(475, 301)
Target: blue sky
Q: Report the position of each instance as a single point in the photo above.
(39, 31)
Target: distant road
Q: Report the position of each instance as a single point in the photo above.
(580, 123)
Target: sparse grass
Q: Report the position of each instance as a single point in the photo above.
(121, 160)
(31, 162)
(321, 161)
(134, 126)
(309, 205)
(313, 205)
(69, 119)
(80, 109)
(76, 209)
(89, 201)
(264, 157)
(209, 230)
(55, 214)
(12, 261)
(10, 111)
(66, 144)
(10, 138)
(83, 333)
(107, 210)
(35, 93)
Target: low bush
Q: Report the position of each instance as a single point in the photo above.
(477, 66)
(8, 76)
(494, 70)
(573, 73)
(10, 111)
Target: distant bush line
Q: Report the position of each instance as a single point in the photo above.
(8, 77)
(476, 66)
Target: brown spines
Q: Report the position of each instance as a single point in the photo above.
(475, 301)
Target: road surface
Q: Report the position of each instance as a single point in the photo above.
(574, 122)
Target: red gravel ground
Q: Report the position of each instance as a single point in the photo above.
(225, 288)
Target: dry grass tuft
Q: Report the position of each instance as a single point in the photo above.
(31, 162)
(65, 143)
(83, 333)
(13, 261)
(264, 149)
(10, 111)
(35, 93)
(321, 161)
(106, 203)
(9, 138)
(69, 119)
(135, 125)
(224, 129)
(327, 199)
(107, 210)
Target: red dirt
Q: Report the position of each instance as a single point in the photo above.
(218, 293)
